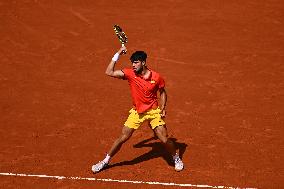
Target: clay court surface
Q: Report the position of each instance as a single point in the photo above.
(59, 113)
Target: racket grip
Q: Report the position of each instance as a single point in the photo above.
(123, 46)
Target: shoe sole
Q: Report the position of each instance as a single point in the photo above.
(94, 171)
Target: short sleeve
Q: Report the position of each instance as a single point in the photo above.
(127, 73)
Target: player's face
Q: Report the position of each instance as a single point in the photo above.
(137, 66)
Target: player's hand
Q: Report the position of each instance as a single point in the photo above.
(163, 113)
(122, 50)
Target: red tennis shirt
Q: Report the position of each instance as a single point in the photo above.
(144, 91)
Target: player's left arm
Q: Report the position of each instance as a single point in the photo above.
(163, 101)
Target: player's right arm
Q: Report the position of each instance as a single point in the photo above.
(110, 68)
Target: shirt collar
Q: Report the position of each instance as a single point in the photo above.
(149, 78)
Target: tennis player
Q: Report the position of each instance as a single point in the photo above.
(144, 86)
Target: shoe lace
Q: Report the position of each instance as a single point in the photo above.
(177, 160)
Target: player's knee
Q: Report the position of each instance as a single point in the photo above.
(162, 135)
(163, 139)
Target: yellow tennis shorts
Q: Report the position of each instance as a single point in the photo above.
(135, 119)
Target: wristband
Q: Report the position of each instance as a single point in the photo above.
(115, 57)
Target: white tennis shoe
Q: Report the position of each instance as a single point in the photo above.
(178, 164)
(99, 166)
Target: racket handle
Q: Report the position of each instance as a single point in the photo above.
(123, 46)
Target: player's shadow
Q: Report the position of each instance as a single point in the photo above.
(158, 150)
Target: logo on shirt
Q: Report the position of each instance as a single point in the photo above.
(152, 81)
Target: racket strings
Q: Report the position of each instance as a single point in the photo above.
(120, 34)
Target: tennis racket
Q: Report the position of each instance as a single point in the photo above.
(120, 34)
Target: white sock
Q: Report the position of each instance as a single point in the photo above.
(107, 158)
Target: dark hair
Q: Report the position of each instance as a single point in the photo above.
(138, 55)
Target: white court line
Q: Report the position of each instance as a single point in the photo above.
(119, 181)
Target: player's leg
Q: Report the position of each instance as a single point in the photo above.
(124, 136)
(132, 123)
(154, 133)
(159, 126)
(162, 134)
